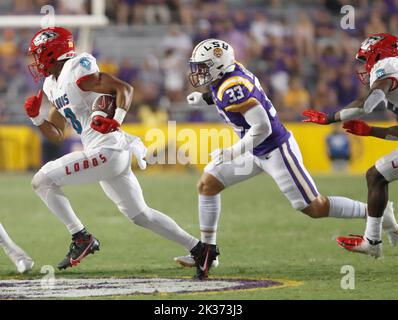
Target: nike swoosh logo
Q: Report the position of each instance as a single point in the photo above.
(203, 268)
(74, 262)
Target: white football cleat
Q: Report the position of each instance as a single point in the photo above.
(25, 265)
(21, 260)
(360, 244)
(189, 262)
(390, 224)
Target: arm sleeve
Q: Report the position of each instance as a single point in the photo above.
(376, 97)
(260, 130)
(351, 113)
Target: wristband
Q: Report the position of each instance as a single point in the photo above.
(99, 113)
(331, 117)
(208, 98)
(37, 121)
(119, 115)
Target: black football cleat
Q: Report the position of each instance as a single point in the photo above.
(83, 243)
(204, 254)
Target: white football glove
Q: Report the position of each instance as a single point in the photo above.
(196, 99)
(139, 151)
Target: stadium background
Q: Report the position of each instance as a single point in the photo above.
(303, 58)
(297, 49)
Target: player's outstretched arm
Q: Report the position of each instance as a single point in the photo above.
(355, 109)
(200, 99)
(350, 111)
(361, 128)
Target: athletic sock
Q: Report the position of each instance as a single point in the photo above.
(209, 215)
(389, 222)
(8, 244)
(166, 227)
(373, 228)
(5, 240)
(341, 207)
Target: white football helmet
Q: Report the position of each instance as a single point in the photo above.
(210, 60)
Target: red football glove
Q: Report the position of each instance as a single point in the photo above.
(315, 116)
(32, 104)
(104, 125)
(358, 127)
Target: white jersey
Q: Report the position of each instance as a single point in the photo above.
(385, 69)
(75, 104)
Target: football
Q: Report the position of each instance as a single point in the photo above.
(104, 105)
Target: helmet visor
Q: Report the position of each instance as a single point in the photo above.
(200, 73)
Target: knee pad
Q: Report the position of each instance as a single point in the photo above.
(41, 180)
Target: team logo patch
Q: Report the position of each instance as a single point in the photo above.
(217, 52)
(103, 287)
(85, 63)
(380, 73)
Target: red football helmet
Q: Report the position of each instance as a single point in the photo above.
(48, 46)
(373, 49)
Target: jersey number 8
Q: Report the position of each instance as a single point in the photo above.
(72, 117)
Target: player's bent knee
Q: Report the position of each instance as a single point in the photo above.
(40, 179)
(318, 208)
(374, 177)
(310, 212)
(209, 185)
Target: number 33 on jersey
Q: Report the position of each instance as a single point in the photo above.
(234, 94)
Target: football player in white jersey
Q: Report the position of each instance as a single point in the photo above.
(72, 83)
(18, 256)
(379, 55)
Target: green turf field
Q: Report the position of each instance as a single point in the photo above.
(260, 236)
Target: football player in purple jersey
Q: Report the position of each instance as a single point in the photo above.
(265, 145)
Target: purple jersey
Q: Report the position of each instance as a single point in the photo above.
(233, 94)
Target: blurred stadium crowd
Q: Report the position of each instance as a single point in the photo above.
(297, 49)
